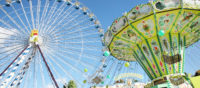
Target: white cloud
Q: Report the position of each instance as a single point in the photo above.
(5, 37)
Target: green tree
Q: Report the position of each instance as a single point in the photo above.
(65, 86)
(71, 84)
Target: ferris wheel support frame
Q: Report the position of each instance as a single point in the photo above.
(49, 70)
(13, 60)
(51, 74)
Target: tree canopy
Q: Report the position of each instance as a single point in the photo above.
(71, 84)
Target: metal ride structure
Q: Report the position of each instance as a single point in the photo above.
(114, 72)
(46, 43)
(156, 35)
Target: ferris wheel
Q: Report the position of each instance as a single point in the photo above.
(46, 43)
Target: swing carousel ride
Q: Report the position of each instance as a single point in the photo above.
(156, 35)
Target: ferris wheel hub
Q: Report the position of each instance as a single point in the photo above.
(34, 36)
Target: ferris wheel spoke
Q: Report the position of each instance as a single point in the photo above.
(197, 46)
(9, 38)
(77, 26)
(71, 24)
(28, 70)
(64, 61)
(17, 39)
(44, 12)
(41, 63)
(8, 25)
(110, 68)
(75, 42)
(34, 73)
(53, 19)
(51, 11)
(7, 61)
(42, 71)
(48, 67)
(74, 49)
(38, 13)
(24, 12)
(18, 79)
(18, 43)
(49, 14)
(61, 67)
(27, 78)
(8, 41)
(8, 53)
(53, 68)
(58, 11)
(11, 49)
(12, 74)
(13, 60)
(71, 51)
(108, 71)
(13, 21)
(79, 29)
(32, 16)
(18, 82)
(115, 71)
(6, 50)
(12, 38)
(20, 18)
(76, 37)
(74, 59)
(80, 36)
(68, 74)
(72, 18)
(21, 54)
(76, 21)
(59, 75)
(66, 13)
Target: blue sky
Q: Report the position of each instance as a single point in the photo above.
(108, 10)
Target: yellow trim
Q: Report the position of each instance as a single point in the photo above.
(195, 81)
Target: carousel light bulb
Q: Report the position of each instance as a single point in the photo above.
(161, 33)
(106, 53)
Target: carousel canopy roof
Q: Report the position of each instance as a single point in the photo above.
(148, 21)
(156, 35)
